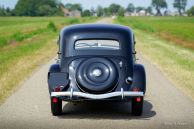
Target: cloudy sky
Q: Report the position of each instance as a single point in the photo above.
(94, 3)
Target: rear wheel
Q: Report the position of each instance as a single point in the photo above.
(137, 106)
(56, 106)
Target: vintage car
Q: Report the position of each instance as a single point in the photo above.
(97, 62)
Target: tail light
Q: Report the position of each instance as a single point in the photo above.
(55, 100)
(138, 99)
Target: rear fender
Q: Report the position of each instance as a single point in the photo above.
(57, 78)
(139, 78)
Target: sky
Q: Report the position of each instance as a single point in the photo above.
(87, 4)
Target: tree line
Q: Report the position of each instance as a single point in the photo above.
(33, 8)
(53, 8)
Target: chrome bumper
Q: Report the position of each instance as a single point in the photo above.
(99, 96)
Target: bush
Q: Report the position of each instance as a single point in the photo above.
(86, 13)
(51, 26)
(3, 41)
(74, 21)
(18, 36)
(190, 12)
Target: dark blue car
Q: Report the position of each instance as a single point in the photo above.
(97, 62)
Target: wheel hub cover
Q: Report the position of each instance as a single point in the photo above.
(97, 72)
(96, 75)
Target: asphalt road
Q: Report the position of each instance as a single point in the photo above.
(165, 107)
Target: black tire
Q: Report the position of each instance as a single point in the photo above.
(137, 107)
(56, 107)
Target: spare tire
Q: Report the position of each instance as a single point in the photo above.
(96, 75)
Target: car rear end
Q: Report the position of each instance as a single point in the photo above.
(97, 68)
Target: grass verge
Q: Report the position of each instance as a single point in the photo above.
(176, 62)
(20, 67)
(179, 30)
(33, 44)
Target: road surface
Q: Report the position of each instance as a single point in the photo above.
(165, 107)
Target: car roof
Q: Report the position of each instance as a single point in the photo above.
(69, 35)
(96, 28)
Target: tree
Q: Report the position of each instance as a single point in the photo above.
(45, 10)
(159, 4)
(180, 5)
(121, 11)
(86, 13)
(130, 8)
(2, 11)
(32, 7)
(73, 7)
(76, 7)
(99, 11)
(190, 12)
(138, 9)
(25, 8)
(114, 8)
(149, 10)
(6, 11)
(107, 12)
(92, 10)
(68, 6)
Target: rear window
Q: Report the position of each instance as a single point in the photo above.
(97, 44)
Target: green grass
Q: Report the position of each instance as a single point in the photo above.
(25, 43)
(24, 28)
(175, 61)
(180, 30)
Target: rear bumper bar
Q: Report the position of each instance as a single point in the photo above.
(121, 93)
